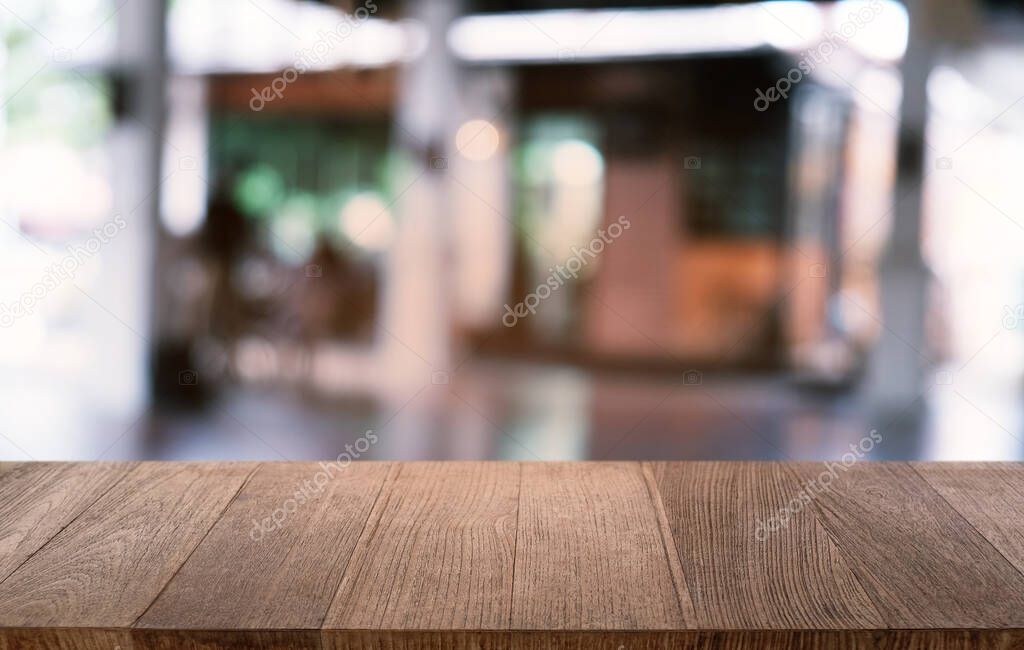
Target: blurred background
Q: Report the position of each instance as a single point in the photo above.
(489, 229)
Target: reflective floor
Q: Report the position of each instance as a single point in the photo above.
(497, 410)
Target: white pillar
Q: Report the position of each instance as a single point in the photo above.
(120, 322)
(414, 337)
(901, 357)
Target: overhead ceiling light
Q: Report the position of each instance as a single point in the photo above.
(594, 35)
(477, 140)
(366, 221)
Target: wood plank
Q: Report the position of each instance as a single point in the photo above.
(741, 574)
(108, 565)
(988, 495)
(590, 554)
(691, 640)
(531, 556)
(282, 573)
(227, 639)
(918, 560)
(69, 639)
(437, 553)
(65, 639)
(137, 639)
(39, 499)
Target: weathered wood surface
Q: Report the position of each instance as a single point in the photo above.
(511, 555)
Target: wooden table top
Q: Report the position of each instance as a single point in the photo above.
(511, 555)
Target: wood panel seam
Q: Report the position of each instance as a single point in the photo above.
(914, 554)
(668, 544)
(73, 520)
(887, 556)
(202, 539)
(965, 519)
(852, 566)
(397, 468)
(515, 546)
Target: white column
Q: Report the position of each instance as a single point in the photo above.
(414, 338)
(900, 359)
(121, 323)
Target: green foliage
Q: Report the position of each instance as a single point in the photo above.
(294, 171)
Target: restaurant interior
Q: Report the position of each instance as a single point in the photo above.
(511, 230)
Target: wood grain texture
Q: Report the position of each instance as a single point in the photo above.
(677, 640)
(276, 556)
(988, 495)
(224, 639)
(742, 574)
(589, 551)
(509, 556)
(65, 639)
(918, 560)
(437, 552)
(108, 565)
(68, 639)
(39, 499)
